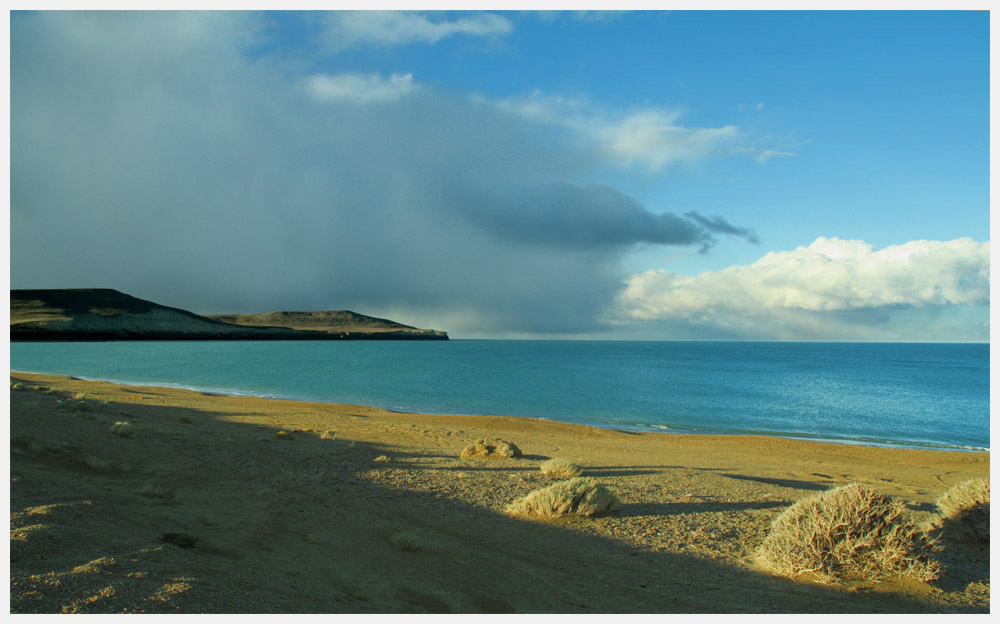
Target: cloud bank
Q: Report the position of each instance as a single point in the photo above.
(151, 152)
(833, 289)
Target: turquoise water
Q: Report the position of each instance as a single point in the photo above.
(915, 395)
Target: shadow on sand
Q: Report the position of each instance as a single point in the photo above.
(296, 527)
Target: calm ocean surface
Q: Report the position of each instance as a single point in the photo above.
(916, 395)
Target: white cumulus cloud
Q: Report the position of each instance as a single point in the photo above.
(346, 29)
(786, 293)
(653, 139)
(650, 138)
(362, 88)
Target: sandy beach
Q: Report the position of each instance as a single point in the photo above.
(221, 504)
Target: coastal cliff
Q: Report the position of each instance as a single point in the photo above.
(106, 314)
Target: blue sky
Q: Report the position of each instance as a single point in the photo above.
(636, 175)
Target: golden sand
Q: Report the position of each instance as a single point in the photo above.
(240, 505)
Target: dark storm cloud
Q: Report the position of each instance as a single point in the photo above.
(591, 216)
(149, 155)
(718, 225)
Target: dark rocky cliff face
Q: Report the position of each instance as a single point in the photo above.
(106, 314)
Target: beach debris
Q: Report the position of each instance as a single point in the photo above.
(122, 429)
(559, 467)
(490, 448)
(965, 510)
(851, 530)
(582, 496)
(180, 539)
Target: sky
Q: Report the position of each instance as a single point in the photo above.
(637, 175)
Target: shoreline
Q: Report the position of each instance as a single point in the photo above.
(638, 428)
(292, 507)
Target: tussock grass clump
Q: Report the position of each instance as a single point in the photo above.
(490, 448)
(329, 434)
(122, 429)
(36, 447)
(405, 540)
(98, 465)
(16, 385)
(563, 468)
(851, 530)
(283, 435)
(965, 509)
(78, 405)
(582, 496)
(151, 490)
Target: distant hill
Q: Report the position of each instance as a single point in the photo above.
(106, 314)
(330, 321)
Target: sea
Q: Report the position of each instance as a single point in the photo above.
(928, 396)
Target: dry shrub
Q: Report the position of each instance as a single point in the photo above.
(405, 540)
(98, 465)
(581, 495)
(965, 510)
(78, 405)
(850, 530)
(152, 490)
(562, 468)
(329, 434)
(490, 448)
(123, 429)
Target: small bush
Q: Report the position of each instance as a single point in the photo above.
(381, 458)
(78, 405)
(562, 468)
(329, 434)
(965, 509)
(581, 495)
(16, 385)
(184, 420)
(405, 540)
(151, 490)
(283, 435)
(122, 429)
(849, 530)
(98, 465)
(490, 448)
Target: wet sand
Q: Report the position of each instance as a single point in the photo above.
(241, 505)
